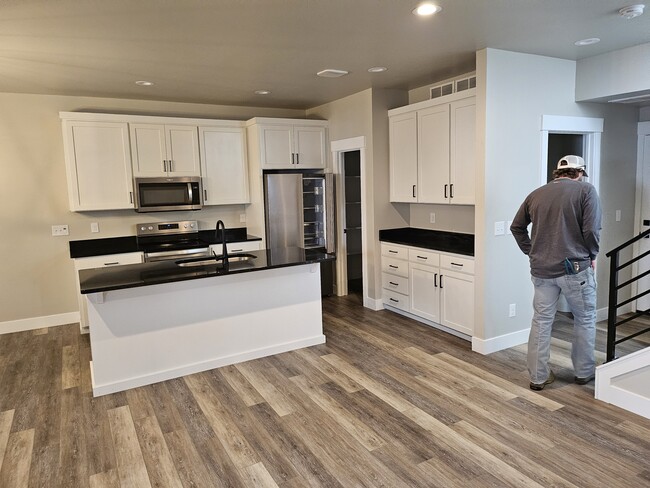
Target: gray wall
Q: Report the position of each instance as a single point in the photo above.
(37, 273)
(514, 91)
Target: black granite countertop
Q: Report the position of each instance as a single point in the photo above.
(436, 240)
(119, 245)
(154, 273)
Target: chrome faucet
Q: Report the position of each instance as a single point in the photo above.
(224, 250)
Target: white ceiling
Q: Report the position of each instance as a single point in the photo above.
(221, 51)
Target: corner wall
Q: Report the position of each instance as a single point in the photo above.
(514, 91)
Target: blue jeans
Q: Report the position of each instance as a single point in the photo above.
(580, 292)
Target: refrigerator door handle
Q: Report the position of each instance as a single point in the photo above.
(330, 214)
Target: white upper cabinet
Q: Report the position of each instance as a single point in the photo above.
(291, 144)
(224, 165)
(165, 150)
(432, 151)
(98, 164)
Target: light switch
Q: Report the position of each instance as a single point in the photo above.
(499, 228)
(94, 227)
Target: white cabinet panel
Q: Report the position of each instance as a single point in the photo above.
(457, 298)
(425, 291)
(310, 147)
(165, 150)
(394, 251)
(433, 154)
(403, 146)
(398, 284)
(396, 300)
(395, 266)
(98, 165)
(224, 165)
(463, 151)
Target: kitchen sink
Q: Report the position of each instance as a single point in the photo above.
(216, 260)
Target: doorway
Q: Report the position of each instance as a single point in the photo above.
(352, 220)
(560, 145)
(643, 216)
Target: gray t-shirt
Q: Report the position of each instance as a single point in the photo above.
(566, 218)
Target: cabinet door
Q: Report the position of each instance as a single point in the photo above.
(403, 157)
(276, 147)
(148, 149)
(182, 150)
(463, 151)
(457, 299)
(425, 291)
(433, 154)
(98, 165)
(310, 147)
(224, 166)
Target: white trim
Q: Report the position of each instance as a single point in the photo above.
(590, 127)
(643, 130)
(108, 117)
(373, 304)
(498, 343)
(148, 379)
(33, 323)
(338, 148)
(606, 389)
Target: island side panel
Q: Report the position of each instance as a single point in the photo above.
(147, 334)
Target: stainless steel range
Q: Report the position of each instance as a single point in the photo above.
(162, 241)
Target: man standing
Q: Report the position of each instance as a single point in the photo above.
(562, 250)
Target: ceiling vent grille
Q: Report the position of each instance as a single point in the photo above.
(454, 86)
(442, 90)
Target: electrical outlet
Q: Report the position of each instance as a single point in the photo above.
(242, 218)
(60, 230)
(432, 218)
(513, 310)
(618, 216)
(499, 228)
(94, 227)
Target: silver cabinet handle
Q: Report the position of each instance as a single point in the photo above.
(446, 190)
(205, 195)
(435, 280)
(457, 264)
(130, 197)
(413, 191)
(451, 191)
(441, 282)
(165, 165)
(112, 264)
(297, 158)
(422, 257)
(171, 166)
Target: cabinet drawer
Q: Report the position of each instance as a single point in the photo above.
(396, 300)
(399, 284)
(423, 256)
(108, 260)
(395, 266)
(394, 251)
(457, 263)
(234, 247)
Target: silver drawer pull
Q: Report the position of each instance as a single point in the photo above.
(393, 283)
(236, 250)
(422, 257)
(112, 264)
(456, 264)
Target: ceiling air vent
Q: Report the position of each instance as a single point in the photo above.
(466, 83)
(442, 90)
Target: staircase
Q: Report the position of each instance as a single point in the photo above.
(625, 381)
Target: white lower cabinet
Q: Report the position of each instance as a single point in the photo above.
(435, 286)
(103, 261)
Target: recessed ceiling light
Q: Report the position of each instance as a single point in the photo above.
(587, 42)
(426, 8)
(331, 73)
(144, 83)
(262, 92)
(377, 69)
(631, 11)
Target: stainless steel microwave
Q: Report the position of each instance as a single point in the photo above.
(166, 194)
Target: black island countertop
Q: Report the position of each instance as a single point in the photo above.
(436, 240)
(155, 273)
(119, 245)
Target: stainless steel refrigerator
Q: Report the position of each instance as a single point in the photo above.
(300, 213)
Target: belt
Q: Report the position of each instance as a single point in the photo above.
(575, 266)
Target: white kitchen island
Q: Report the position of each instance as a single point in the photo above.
(146, 333)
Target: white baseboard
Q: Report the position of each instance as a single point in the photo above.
(494, 344)
(38, 322)
(373, 304)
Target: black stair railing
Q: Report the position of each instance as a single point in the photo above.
(614, 286)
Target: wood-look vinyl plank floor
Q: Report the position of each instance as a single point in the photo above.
(386, 401)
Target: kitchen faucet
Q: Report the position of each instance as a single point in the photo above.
(224, 250)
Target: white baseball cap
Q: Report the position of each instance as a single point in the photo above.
(572, 162)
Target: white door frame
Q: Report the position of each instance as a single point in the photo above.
(643, 130)
(338, 148)
(590, 127)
